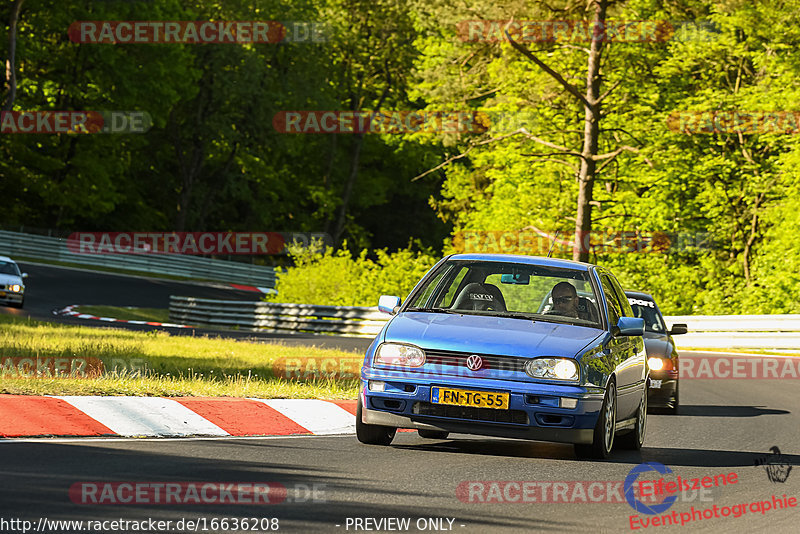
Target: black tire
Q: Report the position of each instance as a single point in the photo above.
(676, 404)
(633, 440)
(372, 434)
(604, 430)
(433, 434)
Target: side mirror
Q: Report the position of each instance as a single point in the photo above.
(630, 326)
(24, 275)
(388, 304)
(678, 329)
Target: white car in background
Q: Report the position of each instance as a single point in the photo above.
(12, 286)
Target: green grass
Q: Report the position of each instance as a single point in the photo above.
(128, 313)
(174, 365)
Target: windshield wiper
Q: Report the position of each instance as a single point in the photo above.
(568, 320)
(434, 310)
(513, 315)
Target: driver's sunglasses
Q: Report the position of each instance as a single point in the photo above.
(561, 300)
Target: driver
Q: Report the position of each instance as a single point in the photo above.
(565, 300)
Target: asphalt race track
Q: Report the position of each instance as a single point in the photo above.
(726, 426)
(335, 484)
(51, 288)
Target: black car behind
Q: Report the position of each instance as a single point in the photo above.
(662, 356)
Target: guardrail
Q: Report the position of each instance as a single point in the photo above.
(723, 331)
(281, 318)
(771, 332)
(32, 246)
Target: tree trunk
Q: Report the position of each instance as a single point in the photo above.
(348, 189)
(591, 134)
(11, 64)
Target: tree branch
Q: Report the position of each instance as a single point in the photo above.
(464, 154)
(571, 89)
(549, 157)
(620, 150)
(608, 92)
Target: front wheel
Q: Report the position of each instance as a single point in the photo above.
(604, 430)
(634, 440)
(676, 403)
(372, 434)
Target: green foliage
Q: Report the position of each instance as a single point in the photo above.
(737, 188)
(339, 278)
(213, 161)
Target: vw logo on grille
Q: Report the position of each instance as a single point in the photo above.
(474, 362)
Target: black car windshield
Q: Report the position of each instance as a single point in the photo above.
(646, 309)
(518, 290)
(9, 268)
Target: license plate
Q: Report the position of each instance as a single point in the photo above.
(463, 397)
(2, 293)
(655, 384)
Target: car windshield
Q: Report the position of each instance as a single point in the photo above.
(515, 290)
(9, 267)
(646, 309)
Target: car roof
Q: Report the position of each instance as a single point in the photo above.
(6, 258)
(530, 260)
(639, 295)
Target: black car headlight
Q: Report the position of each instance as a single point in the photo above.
(553, 369)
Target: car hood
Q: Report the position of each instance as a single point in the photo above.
(490, 335)
(657, 345)
(9, 279)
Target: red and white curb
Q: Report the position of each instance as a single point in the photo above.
(22, 415)
(70, 312)
(253, 288)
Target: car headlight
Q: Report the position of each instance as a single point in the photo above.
(553, 368)
(397, 354)
(655, 364)
(16, 288)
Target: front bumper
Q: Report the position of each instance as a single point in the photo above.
(10, 297)
(533, 411)
(663, 396)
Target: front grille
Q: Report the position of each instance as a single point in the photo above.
(490, 361)
(472, 414)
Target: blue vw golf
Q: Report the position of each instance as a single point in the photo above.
(509, 346)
